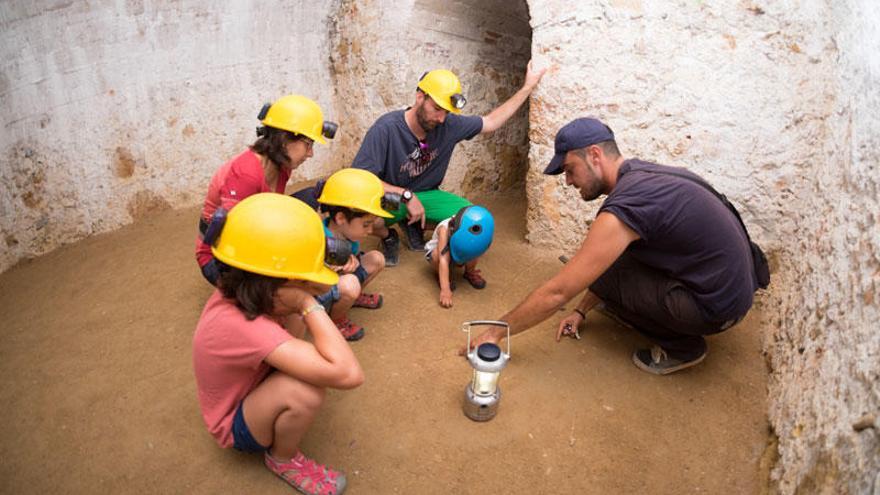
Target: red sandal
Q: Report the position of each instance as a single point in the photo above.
(369, 301)
(475, 279)
(350, 330)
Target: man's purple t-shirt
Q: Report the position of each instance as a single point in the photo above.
(686, 233)
(392, 152)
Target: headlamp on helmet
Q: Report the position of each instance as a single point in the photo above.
(338, 251)
(329, 129)
(391, 201)
(458, 101)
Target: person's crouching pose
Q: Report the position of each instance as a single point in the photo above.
(259, 385)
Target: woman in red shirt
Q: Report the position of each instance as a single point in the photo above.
(290, 128)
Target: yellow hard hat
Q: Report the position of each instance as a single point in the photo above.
(355, 188)
(275, 235)
(444, 88)
(299, 115)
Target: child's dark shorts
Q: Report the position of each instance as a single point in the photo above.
(241, 435)
(328, 298)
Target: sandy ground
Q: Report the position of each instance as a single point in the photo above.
(98, 394)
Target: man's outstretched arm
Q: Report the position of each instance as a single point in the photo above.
(605, 242)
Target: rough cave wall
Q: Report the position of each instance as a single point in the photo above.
(113, 109)
(776, 103)
(380, 49)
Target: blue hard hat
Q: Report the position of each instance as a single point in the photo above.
(472, 230)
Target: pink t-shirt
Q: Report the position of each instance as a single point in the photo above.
(235, 180)
(228, 354)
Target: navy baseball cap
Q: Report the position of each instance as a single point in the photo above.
(577, 134)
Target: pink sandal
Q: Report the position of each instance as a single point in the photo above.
(369, 301)
(307, 476)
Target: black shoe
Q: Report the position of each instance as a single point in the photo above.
(657, 362)
(391, 248)
(414, 236)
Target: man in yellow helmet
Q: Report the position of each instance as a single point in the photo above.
(410, 151)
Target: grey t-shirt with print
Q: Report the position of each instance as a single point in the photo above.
(392, 152)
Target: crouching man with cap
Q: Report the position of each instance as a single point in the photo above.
(664, 255)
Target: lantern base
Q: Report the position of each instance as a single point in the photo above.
(480, 407)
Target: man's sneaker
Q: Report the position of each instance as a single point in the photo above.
(475, 279)
(307, 476)
(391, 248)
(657, 362)
(349, 329)
(414, 236)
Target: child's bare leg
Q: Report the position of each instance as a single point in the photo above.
(349, 290)
(280, 411)
(471, 265)
(373, 262)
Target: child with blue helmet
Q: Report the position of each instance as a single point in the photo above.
(460, 240)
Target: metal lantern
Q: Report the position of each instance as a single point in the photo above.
(482, 394)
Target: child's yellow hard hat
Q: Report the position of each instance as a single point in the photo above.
(275, 235)
(357, 189)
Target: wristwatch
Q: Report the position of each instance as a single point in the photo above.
(406, 195)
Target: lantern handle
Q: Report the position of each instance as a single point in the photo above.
(466, 327)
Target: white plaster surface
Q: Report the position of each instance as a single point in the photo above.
(112, 109)
(776, 103)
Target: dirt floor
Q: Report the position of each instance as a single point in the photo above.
(98, 393)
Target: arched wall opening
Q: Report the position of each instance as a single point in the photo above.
(378, 54)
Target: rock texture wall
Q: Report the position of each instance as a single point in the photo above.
(776, 104)
(824, 353)
(111, 110)
(380, 49)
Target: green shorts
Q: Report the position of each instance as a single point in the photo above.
(439, 205)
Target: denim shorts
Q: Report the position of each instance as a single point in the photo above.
(328, 298)
(241, 435)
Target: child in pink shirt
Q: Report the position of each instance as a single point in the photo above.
(259, 385)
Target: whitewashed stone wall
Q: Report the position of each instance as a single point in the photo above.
(113, 109)
(776, 103)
